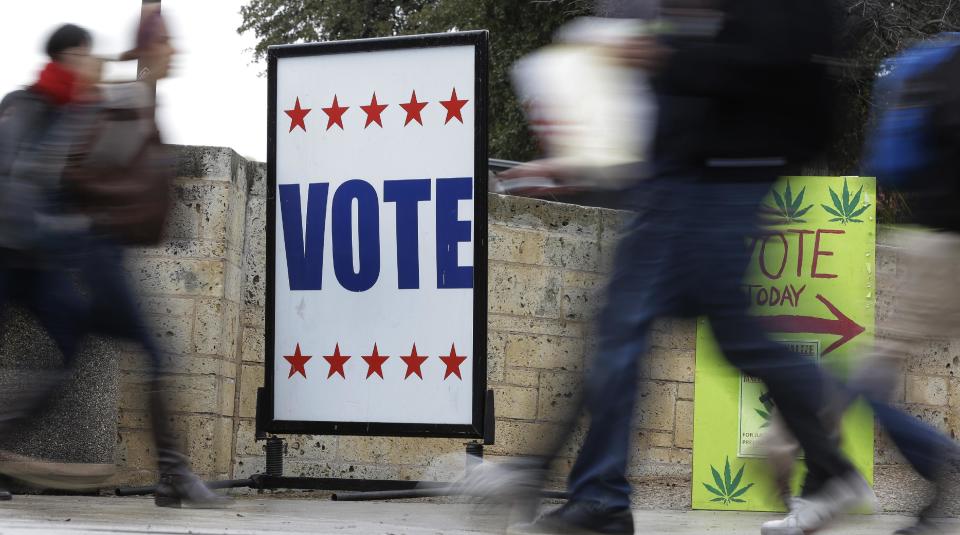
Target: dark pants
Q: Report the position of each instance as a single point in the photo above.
(49, 292)
(113, 307)
(923, 446)
(83, 289)
(685, 255)
(51, 296)
(73, 290)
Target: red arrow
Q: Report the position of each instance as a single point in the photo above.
(843, 326)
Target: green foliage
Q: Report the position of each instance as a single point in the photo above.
(871, 30)
(728, 490)
(516, 28)
(846, 210)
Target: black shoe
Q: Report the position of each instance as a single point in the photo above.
(178, 486)
(5, 495)
(187, 490)
(923, 527)
(580, 518)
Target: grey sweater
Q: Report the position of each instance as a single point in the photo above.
(36, 139)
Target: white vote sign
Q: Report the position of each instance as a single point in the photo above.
(376, 284)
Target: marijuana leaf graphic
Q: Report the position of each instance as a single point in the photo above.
(845, 210)
(766, 417)
(728, 489)
(788, 209)
(764, 413)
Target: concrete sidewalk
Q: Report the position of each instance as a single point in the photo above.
(55, 515)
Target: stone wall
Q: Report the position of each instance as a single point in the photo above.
(205, 293)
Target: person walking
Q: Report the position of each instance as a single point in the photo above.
(109, 173)
(913, 145)
(37, 127)
(122, 185)
(741, 102)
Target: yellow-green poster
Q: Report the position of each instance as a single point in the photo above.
(811, 280)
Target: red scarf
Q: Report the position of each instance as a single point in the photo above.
(57, 83)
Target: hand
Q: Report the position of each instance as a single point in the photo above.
(642, 53)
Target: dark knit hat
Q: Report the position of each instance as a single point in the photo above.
(67, 36)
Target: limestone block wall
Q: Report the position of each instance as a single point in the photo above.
(204, 289)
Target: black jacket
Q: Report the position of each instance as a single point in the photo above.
(757, 90)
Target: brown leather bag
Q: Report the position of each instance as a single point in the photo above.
(122, 180)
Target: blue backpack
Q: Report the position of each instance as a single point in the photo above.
(900, 148)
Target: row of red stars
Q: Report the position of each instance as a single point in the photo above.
(375, 362)
(373, 110)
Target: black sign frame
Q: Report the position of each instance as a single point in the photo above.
(266, 420)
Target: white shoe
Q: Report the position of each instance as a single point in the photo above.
(808, 514)
(795, 503)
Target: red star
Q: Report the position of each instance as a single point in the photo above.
(413, 109)
(335, 114)
(296, 116)
(375, 362)
(373, 111)
(297, 362)
(336, 361)
(453, 107)
(453, 362)
(413, 362)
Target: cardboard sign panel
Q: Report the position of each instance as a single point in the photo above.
(810, 280)
(376, 290)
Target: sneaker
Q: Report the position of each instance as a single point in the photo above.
(579, 518)
(837, 496)
(516, 484)
(502, 481)
(795, 503)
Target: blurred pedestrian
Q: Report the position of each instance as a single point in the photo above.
(741, 102)
(38, 126)
(913, 146)
(122, 184)
(111, 174)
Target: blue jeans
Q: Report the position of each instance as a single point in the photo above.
(685, 255)
(44, 287)
(925, 448)
(922, 445)
(50, 294)
(47, 287)
(113, 307)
